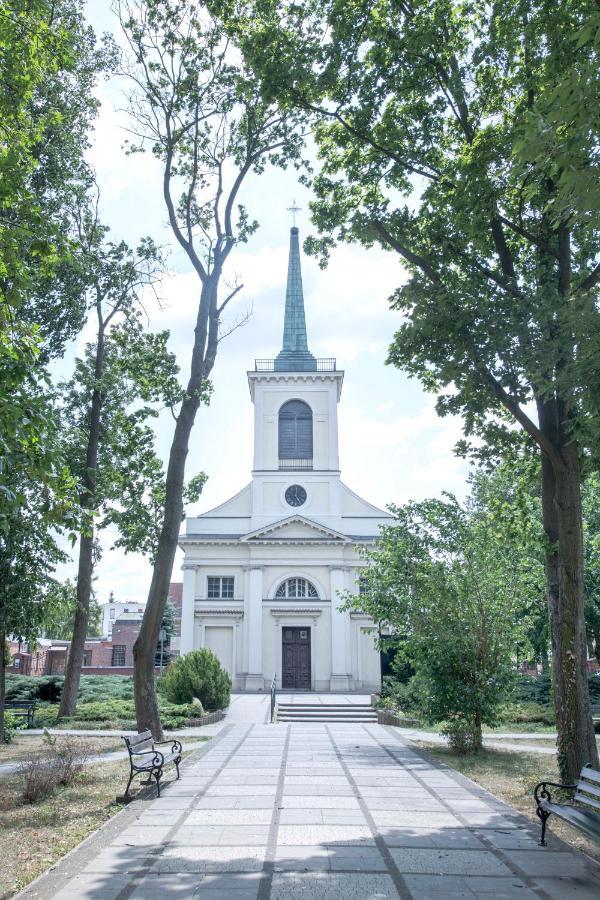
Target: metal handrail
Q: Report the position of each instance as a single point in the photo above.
(273, 697)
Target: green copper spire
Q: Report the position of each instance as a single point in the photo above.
(295, 355)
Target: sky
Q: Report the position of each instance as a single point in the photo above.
(393, 446)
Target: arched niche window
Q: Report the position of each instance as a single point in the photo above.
(297, 588)
(295, 432)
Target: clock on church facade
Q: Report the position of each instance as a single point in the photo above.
(281, 552)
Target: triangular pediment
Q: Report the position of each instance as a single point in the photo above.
(295, 528)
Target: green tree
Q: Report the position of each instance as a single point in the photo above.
(29, 554)
(591, 540)
(163, 655)
(125, 376)
(49, 63)
(457, 603)
(200, 112)
(59, 618)
(459, 137)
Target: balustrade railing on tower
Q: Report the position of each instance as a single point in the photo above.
(268, 365)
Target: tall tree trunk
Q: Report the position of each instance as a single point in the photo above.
(576, 738)
(477, 735)
(562, 514)
(2, 684)
(144, 649)
(68, 701)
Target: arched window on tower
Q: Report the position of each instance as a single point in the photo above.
(297, 588)
(295, 435)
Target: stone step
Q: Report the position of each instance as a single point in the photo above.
(304, 720)
(346, 706)
(329, 712)
(326, 712)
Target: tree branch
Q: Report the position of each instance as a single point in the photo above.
(407, 254)
(529, 236)
(229, 298)
(545, 445)
(590, 281)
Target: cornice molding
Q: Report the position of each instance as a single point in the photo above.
(232, 613)
(281, 611)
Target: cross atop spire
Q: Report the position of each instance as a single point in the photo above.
(295, 355)
(294, 209)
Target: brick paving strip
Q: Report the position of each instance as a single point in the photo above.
(318, 812)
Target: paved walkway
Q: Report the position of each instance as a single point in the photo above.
(318, 812)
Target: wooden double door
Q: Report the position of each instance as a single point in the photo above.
(295, 670)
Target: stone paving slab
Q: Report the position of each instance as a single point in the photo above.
(318, 812)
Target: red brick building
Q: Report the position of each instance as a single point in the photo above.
(102, 655)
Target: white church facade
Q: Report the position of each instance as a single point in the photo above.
(264, 572)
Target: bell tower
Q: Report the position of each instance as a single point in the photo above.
(295, 396)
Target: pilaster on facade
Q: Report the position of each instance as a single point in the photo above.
(188, 602)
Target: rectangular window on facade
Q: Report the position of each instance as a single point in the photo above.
(220, 587)
(87, 657)
(362, 584)
(118, 655)
(112, 613)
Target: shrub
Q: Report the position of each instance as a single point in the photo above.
(402, 695)
(58, 765)
(534, 713)
(45, 688)
(48, 688)
(198, 674)
(532, 689)
(105, 711)
(46, 715)
(11, 726)
(40, 779)
(105, 687)
(461, 735)
(68, 755)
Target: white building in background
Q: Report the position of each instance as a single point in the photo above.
(112, 609)
(264, 572)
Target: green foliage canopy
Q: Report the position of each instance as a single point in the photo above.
(457, 603)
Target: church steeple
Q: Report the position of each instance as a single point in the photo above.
(294, 355)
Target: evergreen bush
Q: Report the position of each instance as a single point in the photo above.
(198, 674)
(11, 726)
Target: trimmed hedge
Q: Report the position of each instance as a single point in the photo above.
(113, 714)
(48, 688)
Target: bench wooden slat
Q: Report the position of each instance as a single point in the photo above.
(588, 788)
(142, 747)
(142, 738)
(589, 822)
(590, 774)
(587, 801)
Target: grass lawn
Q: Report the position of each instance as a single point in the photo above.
(512, 776)
(34, 836)
(24, 745)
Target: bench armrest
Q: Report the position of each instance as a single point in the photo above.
(158, 758)
(175, 745)
(541, 792)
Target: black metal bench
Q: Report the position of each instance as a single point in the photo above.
(585, 816)
(22, 709)
(145, 759)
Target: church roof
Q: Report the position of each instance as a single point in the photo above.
(294, 355)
